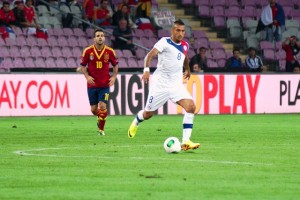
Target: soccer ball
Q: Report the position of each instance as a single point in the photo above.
(172, 145)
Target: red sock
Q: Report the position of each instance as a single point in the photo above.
(102, 114)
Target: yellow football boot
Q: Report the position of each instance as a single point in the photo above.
(189, 145)
(132, 130)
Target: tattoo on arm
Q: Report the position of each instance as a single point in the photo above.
(186, 64)
(149, 57)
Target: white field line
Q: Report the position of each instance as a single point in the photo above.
(31, 152)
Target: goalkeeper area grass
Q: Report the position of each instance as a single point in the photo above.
(241, 157)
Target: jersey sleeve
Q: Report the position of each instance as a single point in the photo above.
(113, 58)
(185, 47)
(84, 58)
(285, 46)
(160, 45)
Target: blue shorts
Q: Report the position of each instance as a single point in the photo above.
(98, 94)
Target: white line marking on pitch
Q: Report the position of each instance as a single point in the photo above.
(27, 153)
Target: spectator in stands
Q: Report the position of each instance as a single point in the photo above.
(19, 12)
(131, 6)
(198, 62)
(129, 3)
(125, 32)
(296, 69)
(122, 14)
(30, 14)
(273, 18)
(253, 61)
(102, 15)
(121, 4)
(235, 61)
(292, 48)
(7, 16)
(143, 9)
(88, 11)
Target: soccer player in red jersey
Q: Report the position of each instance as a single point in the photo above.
(88, 6)
(95, 62)
(7, 16)
(102, 16)
(30, 14)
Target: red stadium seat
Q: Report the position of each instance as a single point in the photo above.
(119, 53)
(89, 33)
(18, 63)
(14, 51)
(4, 52)
(52, 41)
(56, 52)
(68, 52)
(82, 42)
(72, 42)
(71, 63)
(68, 32)
(62, 41)
(58, 32)
(219, 54)
(29, 63)
(132, 63)
(140, 54)
(269, 54)
(141, 63)
(6, 64)
(11, 41)
(76, 52)
(21, 41)
(199, 34)
(127, 54)
(41, 42)
(60, 63)
(78, 32)
(212, 64)
(122, 63)
(46, 52)
(31, 41)
(36, 52)
(221, 62)
(25, 52)
(50, 62)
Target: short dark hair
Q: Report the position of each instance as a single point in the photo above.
(124, 5)
(202, 48)
(97, 30)
(294, 37)
(235, 49)
(6, 3)
(103, 1)
(179, 22)
(251, 49)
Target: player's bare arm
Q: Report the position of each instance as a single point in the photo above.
(114, 76)
(147, 61)
(89, 79)
(187, 72)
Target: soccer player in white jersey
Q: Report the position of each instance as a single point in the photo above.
(166, 83)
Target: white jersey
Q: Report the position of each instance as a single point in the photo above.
(170, 60)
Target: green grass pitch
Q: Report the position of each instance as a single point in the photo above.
(241, 157)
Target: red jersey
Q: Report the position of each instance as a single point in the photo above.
(290, 52)
(88, 6)
(274, 14)
(97, 62)
(7, 17)
(29, 13)
(101, 14)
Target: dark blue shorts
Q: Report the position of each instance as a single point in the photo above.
(98, 94)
